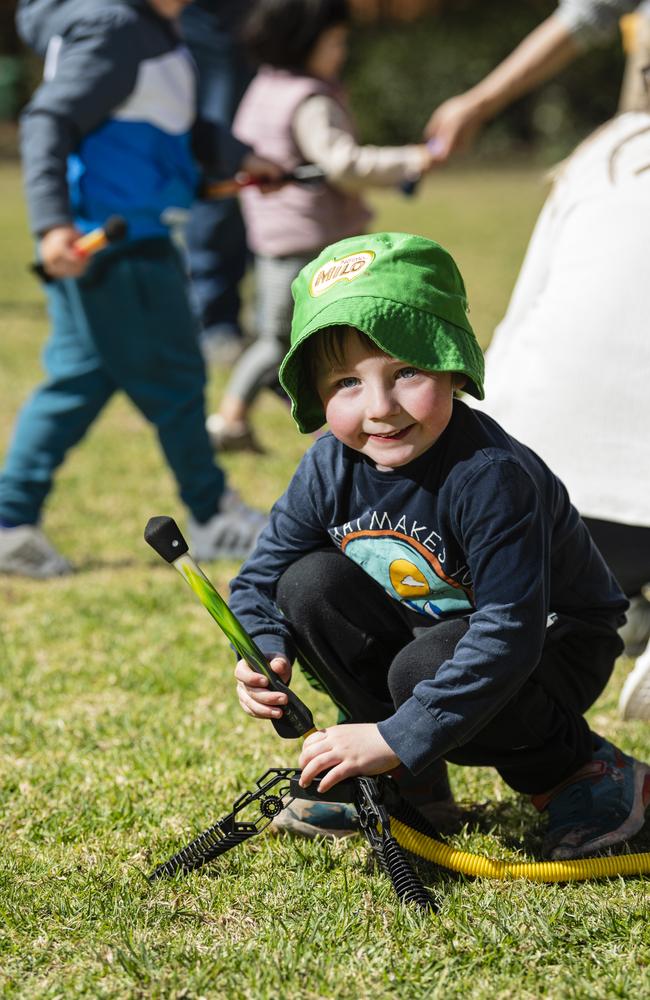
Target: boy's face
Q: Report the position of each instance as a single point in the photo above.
(383, 407)
(170, 9)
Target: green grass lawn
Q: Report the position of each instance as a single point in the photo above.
(121, 737)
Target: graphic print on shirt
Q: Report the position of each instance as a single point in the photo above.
(406, 568)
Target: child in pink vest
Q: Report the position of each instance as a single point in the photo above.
(295, 112)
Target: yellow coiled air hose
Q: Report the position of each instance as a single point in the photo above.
(535, 871)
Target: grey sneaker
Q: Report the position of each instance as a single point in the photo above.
(231, 533)
(317, 819)
(635, 696)
(25, 551)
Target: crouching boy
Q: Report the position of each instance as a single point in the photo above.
(427, 569)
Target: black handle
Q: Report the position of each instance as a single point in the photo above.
(165, 537)
(115, 228)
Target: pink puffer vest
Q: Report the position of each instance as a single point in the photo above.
(296, 219)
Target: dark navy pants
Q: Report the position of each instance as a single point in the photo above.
(368, 653)
(125, 325)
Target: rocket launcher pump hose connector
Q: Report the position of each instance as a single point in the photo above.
(165, 537)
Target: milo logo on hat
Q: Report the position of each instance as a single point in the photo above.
(341, 269)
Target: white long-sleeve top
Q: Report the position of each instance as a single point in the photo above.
(569, 366)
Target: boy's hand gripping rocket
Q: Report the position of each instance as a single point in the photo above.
(164, 535)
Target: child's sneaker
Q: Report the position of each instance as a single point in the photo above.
(337, 819)
(25, 551)
(602, 804)
(231, 533)
(635, 696)
(317, 819)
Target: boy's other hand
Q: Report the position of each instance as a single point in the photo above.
(253, 689)
(58, 255)
(268, 175)
(347, 750)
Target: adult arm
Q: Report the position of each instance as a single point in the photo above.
(575, 25)
(542, 54)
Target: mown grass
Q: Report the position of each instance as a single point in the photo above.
(121, 738)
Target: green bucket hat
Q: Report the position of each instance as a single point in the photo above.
(402, 291)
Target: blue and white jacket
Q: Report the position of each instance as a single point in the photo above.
(111, 130)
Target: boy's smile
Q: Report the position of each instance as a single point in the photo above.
(381, 406)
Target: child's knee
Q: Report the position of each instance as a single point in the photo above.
(321, 583)
(303, 584)
(421, 659)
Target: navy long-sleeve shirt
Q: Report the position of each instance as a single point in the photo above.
(478, 525)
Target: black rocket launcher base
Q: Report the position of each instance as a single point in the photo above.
(163, 534)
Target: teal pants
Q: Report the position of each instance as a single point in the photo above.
(125, 325)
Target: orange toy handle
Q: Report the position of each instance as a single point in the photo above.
(114, 229)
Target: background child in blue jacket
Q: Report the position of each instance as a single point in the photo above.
(428, 569)
(111, 131)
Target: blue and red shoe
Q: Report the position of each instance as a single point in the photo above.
(602, 804)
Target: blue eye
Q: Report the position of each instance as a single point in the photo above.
(408, 372)
(348, 383)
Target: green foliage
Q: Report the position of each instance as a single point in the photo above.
(399, 73)
(120, 739)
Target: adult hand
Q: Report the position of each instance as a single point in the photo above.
(253, 689)
(453, 126)
(268, 175)
(544, 52)
(348, 750)
(58, 255)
